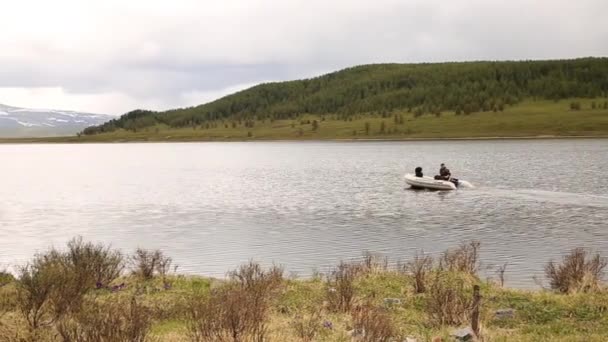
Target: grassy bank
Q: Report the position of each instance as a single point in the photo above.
(84, 293)
(527, 119)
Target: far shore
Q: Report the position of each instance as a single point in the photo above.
(77, 140)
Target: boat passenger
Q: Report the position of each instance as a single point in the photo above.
(444, 173)
(419, 172)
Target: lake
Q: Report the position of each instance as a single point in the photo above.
(307, 205)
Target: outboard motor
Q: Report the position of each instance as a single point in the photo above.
(455, 181)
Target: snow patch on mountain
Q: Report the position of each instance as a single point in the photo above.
(21, 122)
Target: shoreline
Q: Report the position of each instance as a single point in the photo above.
(76, 140)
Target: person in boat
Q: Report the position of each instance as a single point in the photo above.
(444, 173)
(419, 172)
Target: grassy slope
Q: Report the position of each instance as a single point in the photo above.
(540, 316)
(530, 118)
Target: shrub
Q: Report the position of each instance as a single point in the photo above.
(419, 269)
(465, 258)
(374, 324)
(579, 271)
(575, 105)
(93, 265)
(111, 321)
(307, 326)
(340, 287)
(54, 283)
(501, 273)
(6, 278)
(206, 319)
(449, 299)
(373, 263)
(239, 310)
(163, 268)
(146, 263)
(46, 290)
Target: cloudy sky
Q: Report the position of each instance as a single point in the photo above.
(111, 56)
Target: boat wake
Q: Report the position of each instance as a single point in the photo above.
(556, 197)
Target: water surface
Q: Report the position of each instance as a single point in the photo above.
(306, 205)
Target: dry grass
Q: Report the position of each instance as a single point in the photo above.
(257, 304)
(579, 272)
(307, 326)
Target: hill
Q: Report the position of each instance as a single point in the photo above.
(23, 122)
(388, 91)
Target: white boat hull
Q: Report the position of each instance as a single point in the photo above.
(428, 183)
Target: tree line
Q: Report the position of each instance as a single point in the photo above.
(463, 87)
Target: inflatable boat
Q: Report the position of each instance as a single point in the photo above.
(435, 184)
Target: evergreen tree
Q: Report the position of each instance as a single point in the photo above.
(388, 88)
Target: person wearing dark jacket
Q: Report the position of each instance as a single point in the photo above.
(419, 172)
(444, 173)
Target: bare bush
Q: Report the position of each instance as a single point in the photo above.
(112, 321)
(54, 283)
(465, 258)
(147, 263)
(239, 310)
(419, 268)
(253, 277)
(579, 271)
(449, 300)
(501, 273)
(94, 264)
(229, 314)
(206, 319)
(163, 268)
(373, 323)
(341, 288)
(45, 290)
(373, 263)
(307, 326)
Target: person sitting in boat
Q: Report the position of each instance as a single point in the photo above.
(444, 173)
(419, 172)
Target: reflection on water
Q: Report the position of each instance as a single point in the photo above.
(212, 206)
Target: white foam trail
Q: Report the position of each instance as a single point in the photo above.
(565, 198)
(464, 184)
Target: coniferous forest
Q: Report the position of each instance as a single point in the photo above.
(420, 89)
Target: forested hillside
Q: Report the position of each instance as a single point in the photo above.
(420, 89)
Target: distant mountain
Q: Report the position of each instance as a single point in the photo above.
(22, 122)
